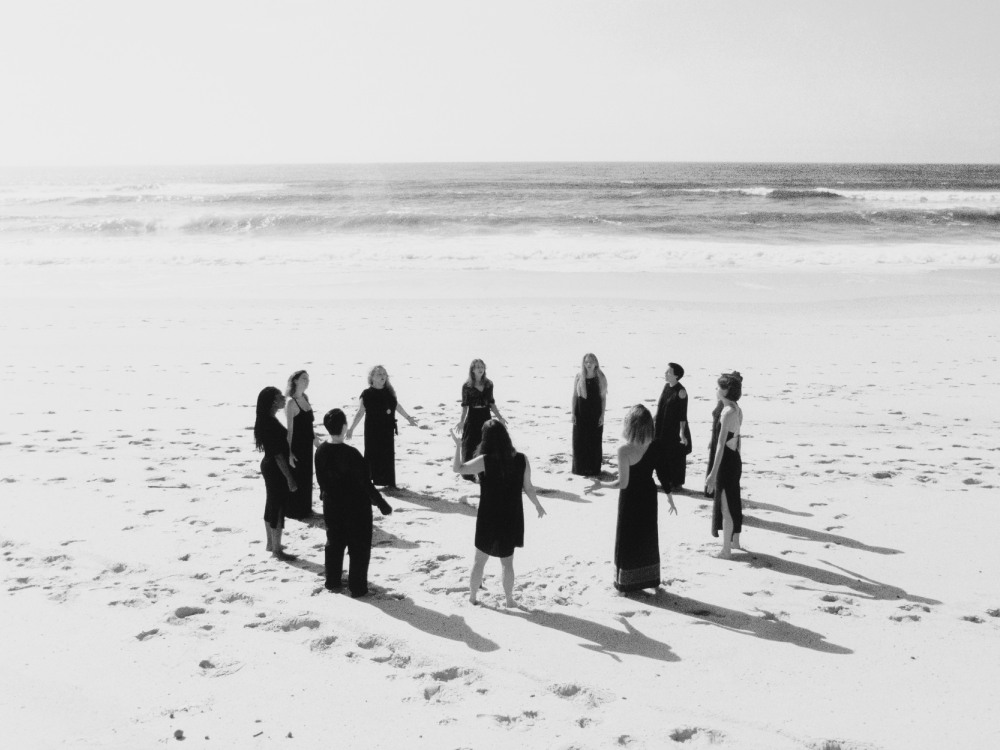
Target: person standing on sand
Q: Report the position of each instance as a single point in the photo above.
(716, 416)
(348, 496)
(477, 404)
(504, 474)
(378, 405)
(724, 478)
(301, 441)
(271, 438)
(590, 396)
(671, 424)
(637, 538)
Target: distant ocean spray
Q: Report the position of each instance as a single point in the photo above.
(615, 215)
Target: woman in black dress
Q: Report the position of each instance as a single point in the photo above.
(301, 441)
(637, 538)
(379, 406)
(724, 478)
(504, 474)
(590, 394)
(716, 416)
(271, 438)
(671, 424)
(477, 404)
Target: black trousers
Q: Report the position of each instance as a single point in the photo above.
(356, 537)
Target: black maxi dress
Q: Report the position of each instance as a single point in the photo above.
(728, 480)
(716, 426)
(380, 434)
(300, 501)
(637, 539)
(275, 441)
(479, 414)
(500, 519)
(587, 430)
(671, 410)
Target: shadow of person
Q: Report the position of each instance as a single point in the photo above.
(382, 538)
(741, 622)
(757, 505)
(452, 627)
(311, 567)
(861, 584)
(600, 638)
(560, 495)
(800, 532)
(433, 503)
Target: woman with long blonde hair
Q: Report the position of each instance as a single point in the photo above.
(590, 397)
(378, 405)
(477, 404)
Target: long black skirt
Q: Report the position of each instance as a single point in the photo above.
(472, 434)
(380, 451)
(587, 449)
(728, 481)
(637, 540)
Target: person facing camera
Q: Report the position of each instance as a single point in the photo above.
(348, 496)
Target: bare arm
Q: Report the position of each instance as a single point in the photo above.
(465, 415)
(472, 466)
(407, 417)
(287, 472)
(496, 413)
(291, 409)
(529, 488)
(727, 418)
(357, 418)
(604, 406)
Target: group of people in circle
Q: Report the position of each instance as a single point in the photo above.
(484, 453)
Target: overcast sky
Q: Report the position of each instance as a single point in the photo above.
(241, 81)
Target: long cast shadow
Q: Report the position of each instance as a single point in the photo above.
(601, 638)
(741, 622)
(560, 495)
(756, 504)
(452, 627)
(430, 502)
(800, 532)
(862, 584)
(380, 537)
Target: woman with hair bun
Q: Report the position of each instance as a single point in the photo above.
(724, 477)
(301, 441)
(271, 438)
(671, 425)
(637, 536)
(590, 395)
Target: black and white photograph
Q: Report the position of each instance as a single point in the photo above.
(454, 375)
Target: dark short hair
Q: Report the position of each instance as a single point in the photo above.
(334, 421)
(732, 384)
(678, 370)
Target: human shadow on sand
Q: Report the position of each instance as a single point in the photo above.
(741, 622)
(757, 505)
(800, 532)
(600, 638)
(430, 502)
(863, 585)
(380, 537)
(560, 495)
(453, 627)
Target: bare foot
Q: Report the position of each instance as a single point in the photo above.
(472, 599)
(724, 555)
(284, 556)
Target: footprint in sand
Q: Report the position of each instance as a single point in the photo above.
(700, 735)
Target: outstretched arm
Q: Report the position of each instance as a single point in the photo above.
(473, 466)
(407, 417)
(357, 418)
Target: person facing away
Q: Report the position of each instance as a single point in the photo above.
(378, 405)
(348, 496)
(504, 474)
(727, 468)
(590, 397)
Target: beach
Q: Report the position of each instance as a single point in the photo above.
(141, 608)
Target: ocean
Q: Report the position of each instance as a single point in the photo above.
(587, 216)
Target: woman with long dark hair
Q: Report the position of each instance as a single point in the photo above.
(590, 396)
(637, 537)
(271, 438)
(504, 475)
(477, 404)
(671, 424)
(727, 469)
(301, 441)
(378, 406)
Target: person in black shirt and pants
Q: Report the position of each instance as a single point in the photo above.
(348, 496)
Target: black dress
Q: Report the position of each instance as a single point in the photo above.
(637, 539)
(348, 496)
(479, 414)
(716, 426)
(300, 502)
(670, 412)
(728, 481)
(380, 431)
(500, 519)
(587, 430)
(275, 442)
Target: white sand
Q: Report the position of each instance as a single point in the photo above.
(860, 619)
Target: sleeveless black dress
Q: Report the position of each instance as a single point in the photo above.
(275, 442)
(587, 432)
(728, 481)
(479, 414)
(637, 537)
(380, 432)
(300, 503)
(500, 519)
(671, 410)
